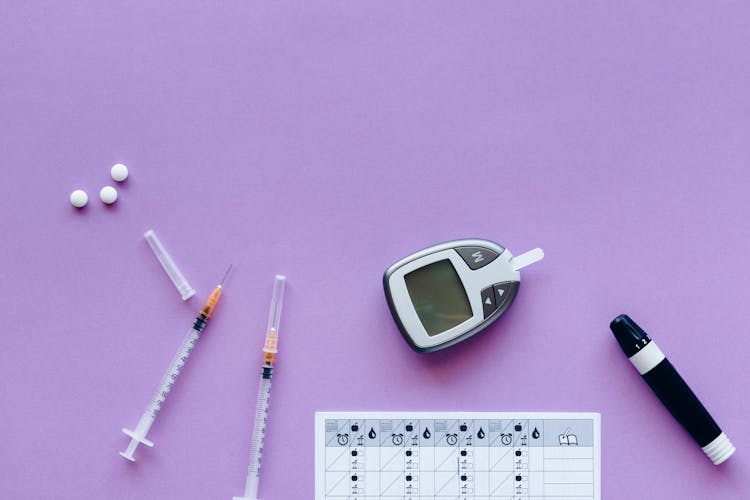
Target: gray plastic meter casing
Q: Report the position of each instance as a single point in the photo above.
(488, 278)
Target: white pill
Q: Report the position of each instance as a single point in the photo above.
(79, 198)
(108, 195)
(119, 172)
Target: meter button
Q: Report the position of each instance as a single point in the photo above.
(488, 301)
(504, 292)
(476, 257)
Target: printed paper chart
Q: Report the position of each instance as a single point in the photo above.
(461, 456)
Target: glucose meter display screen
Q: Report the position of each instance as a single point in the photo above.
(438, 296)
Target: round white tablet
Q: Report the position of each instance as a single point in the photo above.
(79, 198)
(119, 172)
(108, 195)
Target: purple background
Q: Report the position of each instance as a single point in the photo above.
(325, 142)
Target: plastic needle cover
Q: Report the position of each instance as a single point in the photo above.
(182, 285)
(274, 316)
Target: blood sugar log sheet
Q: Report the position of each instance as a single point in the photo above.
(457, 455)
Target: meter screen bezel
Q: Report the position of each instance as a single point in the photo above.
(438, 296)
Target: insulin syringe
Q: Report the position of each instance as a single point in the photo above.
(138, 435)
(270, 348)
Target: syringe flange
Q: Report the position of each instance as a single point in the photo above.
(135, 440)
(140, 439)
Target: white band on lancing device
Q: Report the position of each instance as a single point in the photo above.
(647, 358)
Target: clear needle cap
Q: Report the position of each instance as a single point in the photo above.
(274, 316)
(182, 285)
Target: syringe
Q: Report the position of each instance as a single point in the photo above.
(270, 348)
(138, 435)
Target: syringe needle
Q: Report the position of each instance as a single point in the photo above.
(225, 275)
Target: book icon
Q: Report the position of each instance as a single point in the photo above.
(568, 439)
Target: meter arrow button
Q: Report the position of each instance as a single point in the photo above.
(505, 293)
(488, 301)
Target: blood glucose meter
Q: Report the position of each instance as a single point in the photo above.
(446, 293)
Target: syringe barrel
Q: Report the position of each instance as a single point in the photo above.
(145, 423)
(259, 432)
(138, 435)
(174, 369)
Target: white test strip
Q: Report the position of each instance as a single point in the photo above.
(526, 259)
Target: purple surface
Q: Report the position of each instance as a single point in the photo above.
(325, 142)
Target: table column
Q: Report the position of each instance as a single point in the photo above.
(481, 460)
(466, 471)
(372, 459)
(392, 463)
(536, 459)
(446, 459)
(569, 459)
(427, 460)
(412, 455)
(521, 460)
(337, 464)
(501, 459)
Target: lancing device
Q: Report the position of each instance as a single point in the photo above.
(669, 387)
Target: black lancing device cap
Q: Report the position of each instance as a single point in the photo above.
(629, 334)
